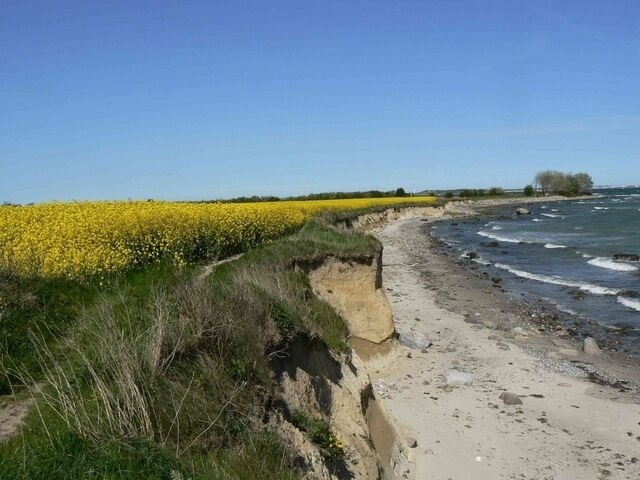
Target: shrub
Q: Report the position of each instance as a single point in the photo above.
(528, 191)
(321, 434)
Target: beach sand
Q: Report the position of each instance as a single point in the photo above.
(580, 414)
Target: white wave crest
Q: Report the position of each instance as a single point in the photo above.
(550, 215)
(496, 227)
(500, 238)
(609, 264)
(630, 302)
(586, 287)
(553, 245)
(601, 208)
(481, 261)
(537, 219)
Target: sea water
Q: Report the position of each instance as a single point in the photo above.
(565, 253)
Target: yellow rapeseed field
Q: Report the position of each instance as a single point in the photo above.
(79, 239)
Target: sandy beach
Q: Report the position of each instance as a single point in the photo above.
(579, 415)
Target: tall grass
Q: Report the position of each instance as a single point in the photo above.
(178, 365)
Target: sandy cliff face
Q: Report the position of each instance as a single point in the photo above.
(315, 381)
(353, 287)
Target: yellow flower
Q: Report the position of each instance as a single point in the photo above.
(79, 239)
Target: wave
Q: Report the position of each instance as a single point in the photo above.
(496, 227)
(508, 239)
(500, 238)
(609, 264)
(566, 310)
(555, 210)
(586, 287)
(553, 245)
(551, 215)
(481, 261)
(630, 302)
(601, 208)
(537, 220)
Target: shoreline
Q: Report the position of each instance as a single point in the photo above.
(548, 314)
(460, 321)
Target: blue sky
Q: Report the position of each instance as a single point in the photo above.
(190, 100)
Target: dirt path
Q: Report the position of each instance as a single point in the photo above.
(566, 427)
(11, 416)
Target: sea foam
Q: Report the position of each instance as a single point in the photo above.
(501, 238)
(586, 287)
(630, 302)
(609, 264)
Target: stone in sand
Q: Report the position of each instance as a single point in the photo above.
(412, 442)
(590, 347)
(519, 331)
(456, 378)
(510, 398)
(568, 352)
(503, 346)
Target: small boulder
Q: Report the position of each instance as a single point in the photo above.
(590, 347)
(627, 257)
(492, 244)
(470, 255)
(503, 346)
(412, 442)
(519, 331)
(457, 378)
(510, 398)
(568, 352)
(629, 293)
(522, 211)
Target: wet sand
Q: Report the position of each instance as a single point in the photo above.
(580, 414)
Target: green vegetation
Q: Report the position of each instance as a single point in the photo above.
(320, 433)
(528, 191)
(399, 192)
(163, 374)
(470, 193)
(559, 183)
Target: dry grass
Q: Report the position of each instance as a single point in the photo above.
(183, 364)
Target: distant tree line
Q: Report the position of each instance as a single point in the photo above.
(399, 192)
(551, 182)
(480, 192)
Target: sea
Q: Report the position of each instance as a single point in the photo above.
(579, 255)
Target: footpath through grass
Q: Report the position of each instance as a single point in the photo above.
(160, 373)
